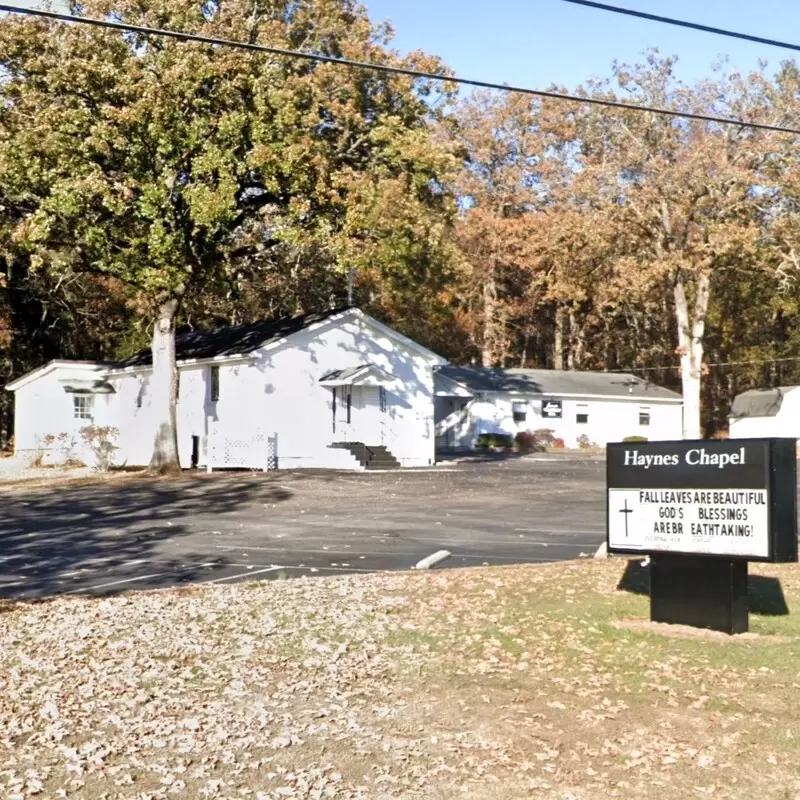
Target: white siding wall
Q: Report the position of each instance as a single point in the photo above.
(608, 420)
(297, 410)
(43, 408)
(132, 410)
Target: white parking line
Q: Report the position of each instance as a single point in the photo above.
(495, 542)
(116, 583)
(241, 575)
(562, 532)
(332, 551)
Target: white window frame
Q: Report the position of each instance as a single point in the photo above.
(644, 411)
(582, 410)
(83, 406)
(519, 407)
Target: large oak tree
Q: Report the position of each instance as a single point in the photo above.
(177, 167)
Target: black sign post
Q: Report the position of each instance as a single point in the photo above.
(701, 510)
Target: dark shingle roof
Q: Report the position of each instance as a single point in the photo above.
(759, 402)
(555, 382)
(234, 340)
(344, 374)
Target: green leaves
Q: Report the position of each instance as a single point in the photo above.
(154, 161)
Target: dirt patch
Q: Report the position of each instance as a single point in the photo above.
(666, 629)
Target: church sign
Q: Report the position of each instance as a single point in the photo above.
(689, 504)
(733, 499)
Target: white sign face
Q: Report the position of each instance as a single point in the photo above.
(727, 522)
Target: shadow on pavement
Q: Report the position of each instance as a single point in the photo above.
(46, 534)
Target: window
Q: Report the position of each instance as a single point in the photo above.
(82, 405)
(644, 416)
(582, 415)
(520, 411)
(214, 384)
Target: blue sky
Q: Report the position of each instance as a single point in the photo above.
(534, 43)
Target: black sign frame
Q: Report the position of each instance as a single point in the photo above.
(559, 415)
(775, 472)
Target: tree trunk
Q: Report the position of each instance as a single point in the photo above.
(558, 339)
(488, 351)
(164, 387)
(577, 341)
(691, 329)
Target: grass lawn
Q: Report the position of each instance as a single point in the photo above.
(518, 682)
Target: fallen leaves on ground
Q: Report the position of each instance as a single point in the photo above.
(513, 682)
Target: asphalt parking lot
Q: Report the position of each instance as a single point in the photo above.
(136, 533)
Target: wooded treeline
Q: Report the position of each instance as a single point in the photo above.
(150, 185)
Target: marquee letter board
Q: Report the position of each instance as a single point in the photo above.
(734, 499)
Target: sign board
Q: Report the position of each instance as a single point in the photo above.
(551, 409)
(734, 499)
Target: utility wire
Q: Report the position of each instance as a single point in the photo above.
(367, 65)
(684, 24)
(709, 364)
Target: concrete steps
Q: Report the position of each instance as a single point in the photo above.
(371, 457)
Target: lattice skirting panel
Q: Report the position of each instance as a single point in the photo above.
(254, 450)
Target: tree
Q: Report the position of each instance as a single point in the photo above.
(178, 167)
(501, 186)
(681, 194)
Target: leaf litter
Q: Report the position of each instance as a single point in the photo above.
(510, 682)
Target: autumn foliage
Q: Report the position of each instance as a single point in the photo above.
(152, 186)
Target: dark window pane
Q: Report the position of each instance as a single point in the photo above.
(582, 419)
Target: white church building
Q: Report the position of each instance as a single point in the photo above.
(581, 408)
(331, 390)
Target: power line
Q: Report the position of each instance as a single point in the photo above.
(407, 71)
(708, 364)
(684, 24)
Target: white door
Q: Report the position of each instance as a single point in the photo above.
(343, 414)
(367, 415)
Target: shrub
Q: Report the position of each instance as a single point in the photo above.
(527, 443)
(585, 443)
(504, 441)
(47, 445)
(496, 441)
(545, 438)
(634, 439)
(558, 444)
(99, 440)
(721, 435)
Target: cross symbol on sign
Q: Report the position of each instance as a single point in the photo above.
(626, 511)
